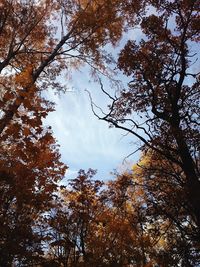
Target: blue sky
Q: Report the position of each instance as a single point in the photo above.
(86, 142)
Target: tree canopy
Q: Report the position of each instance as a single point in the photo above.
(149, 216)
(164, 89)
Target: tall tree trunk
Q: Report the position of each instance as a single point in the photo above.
(188, 166)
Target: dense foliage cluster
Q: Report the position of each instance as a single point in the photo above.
(164, 89)
(148, 217)
(138, 219)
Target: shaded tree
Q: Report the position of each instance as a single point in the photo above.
(161, 104)
(72, 224)
(30, 169)
(40, 40)
(71, 33)
(139, 219)
(172, 228)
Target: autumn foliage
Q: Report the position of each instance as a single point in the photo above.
(129, 221)
(149, 216)
(160, 105)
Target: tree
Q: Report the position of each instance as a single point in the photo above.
(171, 226)
(91, 216)
(39, 40)
(30, 169)
(71, 32)
(72, 224)
(161, 104)
(141, 218)
(150, 203)
(127, 228)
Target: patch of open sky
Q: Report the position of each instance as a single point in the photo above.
(85, 142)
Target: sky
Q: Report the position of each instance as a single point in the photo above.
(85, 141)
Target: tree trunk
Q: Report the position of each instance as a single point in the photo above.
(188, 166)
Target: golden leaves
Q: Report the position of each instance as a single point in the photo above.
(25, 78)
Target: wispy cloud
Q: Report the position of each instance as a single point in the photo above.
(84, 140)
